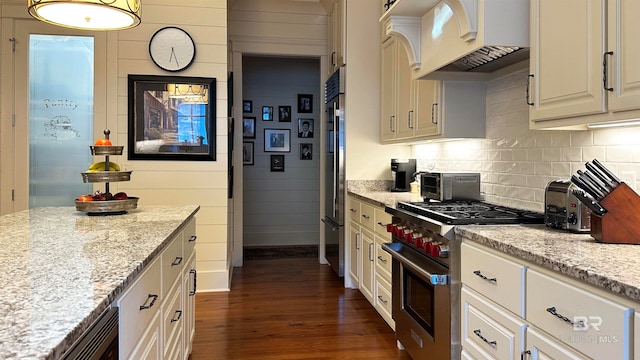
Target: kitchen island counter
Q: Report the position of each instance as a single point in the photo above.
(62, 269)
(611, 267)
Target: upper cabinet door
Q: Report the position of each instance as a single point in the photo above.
(623, 71)
(566, 60)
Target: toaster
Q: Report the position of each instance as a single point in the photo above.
(563, 210)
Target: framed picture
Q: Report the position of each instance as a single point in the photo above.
(249, 127)
(277, 163)
(247, 106)
(247, 153)
(305, 103)
(277, 140)
(267, 113)
(306, 151)
(284, 113)
(171, 118)
(305, 128)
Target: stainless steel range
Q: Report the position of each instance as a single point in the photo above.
(426, 270)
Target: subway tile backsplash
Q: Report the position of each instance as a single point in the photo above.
(516, 163)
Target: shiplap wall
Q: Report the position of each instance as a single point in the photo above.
(164, 182)
(282, 208)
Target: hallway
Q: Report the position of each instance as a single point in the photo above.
(291, 308)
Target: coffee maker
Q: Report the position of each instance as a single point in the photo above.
(402, 171)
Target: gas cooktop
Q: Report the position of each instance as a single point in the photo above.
(471, 212)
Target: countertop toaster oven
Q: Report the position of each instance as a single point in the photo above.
(563, 210)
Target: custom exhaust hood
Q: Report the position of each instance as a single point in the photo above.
(463, 39)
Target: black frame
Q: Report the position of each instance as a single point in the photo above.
(277, 163)
(252, 121)
(247, 106)
(303, 100)
(284, 113)
(142, 92)
(302, 120)
(310, 146)
(248, 149)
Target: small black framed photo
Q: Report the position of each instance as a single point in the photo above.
(277, 140)
(247, 106)
(277, 163)
(249, 127)
(247, 153)
(306, 151)
(305, 128)
(284, 113)
(305, 103)
(267, 113)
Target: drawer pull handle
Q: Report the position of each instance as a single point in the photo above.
(194, 272)
(366, 217)
(478, 273)
(479, 334)
(382, 259)
(177, 261)
(382, 300)
(352, 210)
(526, 352)
(193, 238)
(576, 324)
(179, 313)
(383, 225)
(153, 301)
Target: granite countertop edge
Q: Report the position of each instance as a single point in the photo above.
(550, 257)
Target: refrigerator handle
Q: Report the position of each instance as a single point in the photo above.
(336, 148)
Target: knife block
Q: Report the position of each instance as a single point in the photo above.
(621, 223)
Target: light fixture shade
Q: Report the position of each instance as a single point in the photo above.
(193, 93)
(88, 14)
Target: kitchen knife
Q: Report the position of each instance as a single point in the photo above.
(594, 182)
(587, 188)
(600, 175)
(608, 172)
(593, 205)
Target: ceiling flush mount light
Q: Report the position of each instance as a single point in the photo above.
(87, 14)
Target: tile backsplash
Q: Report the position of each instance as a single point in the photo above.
(516, 163)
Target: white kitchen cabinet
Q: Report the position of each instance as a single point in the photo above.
(335, 36)
(156, 312)
(368, 265)
(552, 304)
(395, 92)
(355, 252)
(571, 41)
(420, 110)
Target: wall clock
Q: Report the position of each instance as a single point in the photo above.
(172, 49)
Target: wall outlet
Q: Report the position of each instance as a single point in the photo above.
(629, 178)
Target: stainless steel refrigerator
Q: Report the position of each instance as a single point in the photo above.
(334, 172)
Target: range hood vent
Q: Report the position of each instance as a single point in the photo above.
(460, 36)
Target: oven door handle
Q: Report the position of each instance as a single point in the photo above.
(435, 278)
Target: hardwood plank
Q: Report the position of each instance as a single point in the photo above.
(291, 308)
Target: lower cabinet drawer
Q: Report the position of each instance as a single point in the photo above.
(138, 305)
(497, 278)
(189, 238)
(172, 263)
(598, 327)
(382, 301)
(488, 331)
(383, 261)
(539, 346)
(173, 317)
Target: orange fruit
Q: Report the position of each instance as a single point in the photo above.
(103, 142)
(85, 198)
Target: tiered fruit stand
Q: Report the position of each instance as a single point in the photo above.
(108, 206)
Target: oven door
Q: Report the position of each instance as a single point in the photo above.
(421, 303)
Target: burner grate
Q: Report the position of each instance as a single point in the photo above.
(468, 212)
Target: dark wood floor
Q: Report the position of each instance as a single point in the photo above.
(289, 309)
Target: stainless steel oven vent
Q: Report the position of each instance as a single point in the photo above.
(489, 59)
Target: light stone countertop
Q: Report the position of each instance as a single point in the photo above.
(63, 268)
(612, 267)
(381, 197)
